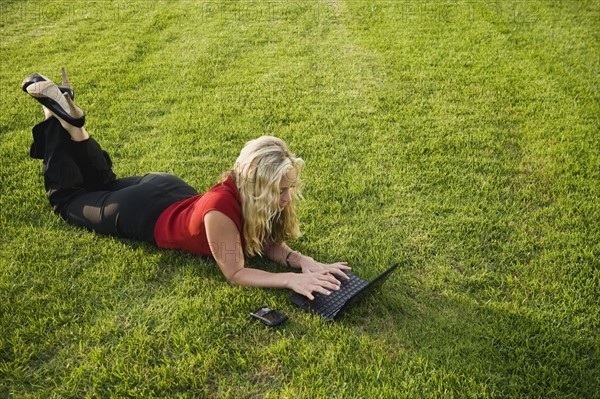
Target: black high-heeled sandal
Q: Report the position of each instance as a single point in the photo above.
(65, 87)
(49, 94)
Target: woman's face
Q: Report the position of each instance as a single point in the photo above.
(288, 181)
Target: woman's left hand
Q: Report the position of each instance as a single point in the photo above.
(309, 265)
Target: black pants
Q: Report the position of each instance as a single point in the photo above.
(83, 189)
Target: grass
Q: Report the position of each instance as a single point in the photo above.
(462, 136)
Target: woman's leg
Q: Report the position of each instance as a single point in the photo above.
(129, 207)
(70, 167)
(83, 189)
(78, 176)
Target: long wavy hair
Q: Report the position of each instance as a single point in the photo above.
(257, 173)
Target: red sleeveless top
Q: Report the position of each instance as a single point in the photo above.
(181, 225)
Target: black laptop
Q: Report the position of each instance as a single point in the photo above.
(331, 306)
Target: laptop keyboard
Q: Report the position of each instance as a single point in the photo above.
(328, 305)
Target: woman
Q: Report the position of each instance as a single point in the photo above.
(250, 212)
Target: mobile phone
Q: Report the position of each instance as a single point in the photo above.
(268, 316)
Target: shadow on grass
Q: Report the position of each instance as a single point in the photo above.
(510, 351)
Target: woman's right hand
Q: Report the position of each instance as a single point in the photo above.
(307, 283)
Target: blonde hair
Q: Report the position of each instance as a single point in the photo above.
(257, 173)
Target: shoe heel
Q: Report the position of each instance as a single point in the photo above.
(66, 87)
(76, 113)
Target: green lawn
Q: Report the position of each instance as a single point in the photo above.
(462, 136)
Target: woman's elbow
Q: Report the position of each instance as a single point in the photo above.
(235, 278)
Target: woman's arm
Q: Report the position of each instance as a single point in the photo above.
(284, 255)
(226, 247)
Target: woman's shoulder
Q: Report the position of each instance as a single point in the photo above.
(223, 197)
(225, 189)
